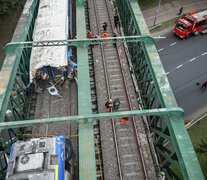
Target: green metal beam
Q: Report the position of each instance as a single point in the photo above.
(162, 134)
(13, 46)
(186, 155)
(88, 117)
(11, 63)
(168, 158)
(87, 161)
(80, 2)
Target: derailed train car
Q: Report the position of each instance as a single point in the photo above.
(53, 22)
(41, 159)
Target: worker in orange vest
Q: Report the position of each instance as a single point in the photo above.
(109, 105)
(124, 120)
(89, 34)
(105, 36)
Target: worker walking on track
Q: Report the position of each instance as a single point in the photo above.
(89, 34)
(124, 120)
(109, 105)
(105, 24)
(116, 104)
(116, 20)
(105, 36)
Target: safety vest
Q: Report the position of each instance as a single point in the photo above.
(105, 35)
(110, 105)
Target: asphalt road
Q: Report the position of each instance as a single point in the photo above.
(185, 62)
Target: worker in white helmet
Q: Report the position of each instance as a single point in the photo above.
(109, 105)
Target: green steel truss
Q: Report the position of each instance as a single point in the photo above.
(156, 93)
(84, 43)
(14, 97)
(173, 146)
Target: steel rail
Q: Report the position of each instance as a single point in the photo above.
(108, 90)
(128, 99)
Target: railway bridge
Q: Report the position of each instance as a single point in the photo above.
(155, 139)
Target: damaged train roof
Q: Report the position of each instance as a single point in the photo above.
(51, 24)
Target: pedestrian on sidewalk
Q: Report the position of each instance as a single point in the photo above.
(124, 120)
(116, 20)
(180, 11)
(105, 24)
(204, 86)
(105, 36)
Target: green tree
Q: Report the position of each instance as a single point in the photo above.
(6, 6)
(202, 147)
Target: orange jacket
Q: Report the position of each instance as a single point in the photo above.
(105, 35)
(89, 34)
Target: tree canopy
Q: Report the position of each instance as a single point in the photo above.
(6, 6)
(202, 147)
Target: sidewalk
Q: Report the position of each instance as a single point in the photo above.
(169, 10)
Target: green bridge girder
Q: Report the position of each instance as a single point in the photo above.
(83, 43)
(159, 104)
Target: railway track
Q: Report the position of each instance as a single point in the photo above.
(125, 154)
(43, 105)
(96, 126)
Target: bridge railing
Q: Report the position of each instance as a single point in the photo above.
(14, 96)
(171, 140)
(154, 86)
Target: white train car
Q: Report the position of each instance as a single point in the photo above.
(51, 24)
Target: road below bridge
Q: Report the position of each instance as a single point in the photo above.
(185, 62)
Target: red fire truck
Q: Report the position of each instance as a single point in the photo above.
(193, 23)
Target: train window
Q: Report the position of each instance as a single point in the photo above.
(53, 159)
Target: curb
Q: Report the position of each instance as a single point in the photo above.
(165, 26)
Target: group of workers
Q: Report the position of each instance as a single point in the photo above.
(105, 25)
(114, 105)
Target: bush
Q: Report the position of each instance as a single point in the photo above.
(6, 6)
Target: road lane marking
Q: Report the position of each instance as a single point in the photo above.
(192, 59)
(185, 63)
(160, 49)
(179, 66)
(173, 43)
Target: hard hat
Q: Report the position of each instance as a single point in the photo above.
(110, 100)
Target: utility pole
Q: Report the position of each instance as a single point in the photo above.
(157, 10)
